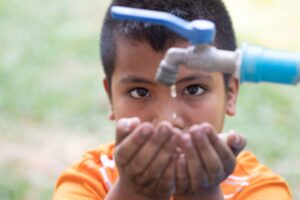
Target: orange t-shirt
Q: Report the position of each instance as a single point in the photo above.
(92, 178)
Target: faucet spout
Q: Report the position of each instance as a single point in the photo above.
(169, 66)
(200, 57)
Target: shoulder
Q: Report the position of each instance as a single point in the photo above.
(99, 156)
(93, 175)
(249, 165)
(94, 160)
(253, 180)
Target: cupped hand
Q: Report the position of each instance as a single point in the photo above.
(145, 157)
(206, 161)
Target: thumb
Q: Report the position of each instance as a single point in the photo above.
(236, 141)
(125, 126)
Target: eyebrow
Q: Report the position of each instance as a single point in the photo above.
(196, 76)
(134, 79)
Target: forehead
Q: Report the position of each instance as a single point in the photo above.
(127, 46)
(128, 51)
(138, 58)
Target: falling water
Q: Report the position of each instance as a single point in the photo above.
(173, 91)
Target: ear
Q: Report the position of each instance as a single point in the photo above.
(233, 88)
(107, 88)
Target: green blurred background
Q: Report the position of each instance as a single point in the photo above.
(53, 108)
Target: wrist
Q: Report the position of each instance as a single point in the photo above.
(211, 194)
(123, 191)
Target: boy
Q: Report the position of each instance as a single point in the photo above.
(167, 147)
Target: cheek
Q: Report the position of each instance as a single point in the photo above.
(210, 109)
(124, 108)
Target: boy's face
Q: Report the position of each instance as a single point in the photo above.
(201, 96)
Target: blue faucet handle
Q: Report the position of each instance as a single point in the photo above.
(197, 31)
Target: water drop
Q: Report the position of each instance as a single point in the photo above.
(174, 115)
(173, 91)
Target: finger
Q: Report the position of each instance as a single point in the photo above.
(182, 178)
(156, 153)
(237, 142)
(125, 126)
(224, 152)
(210, 159)
(166, 184)
(234, 140)
(196, 172)
(127, 149)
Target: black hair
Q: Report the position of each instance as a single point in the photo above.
(160, 37)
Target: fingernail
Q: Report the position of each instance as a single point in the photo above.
(122, 122)
(188, 141)
(181, 160)
(146, 131)
(223, 137)
(130, 123)
(237, 137)
(164, 130)
(237, 140)
(127, 125)
(178, 150)
(182, 156)
(206, 130)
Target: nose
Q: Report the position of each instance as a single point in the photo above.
(170, 111)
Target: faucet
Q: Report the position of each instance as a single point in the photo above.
(249, 64)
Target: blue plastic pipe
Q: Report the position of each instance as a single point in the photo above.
(261, 65)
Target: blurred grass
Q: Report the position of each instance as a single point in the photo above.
(15, 187)
(50, 68)
(50, 84)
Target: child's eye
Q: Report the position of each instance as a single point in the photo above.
(193, 90)
(138, 93)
